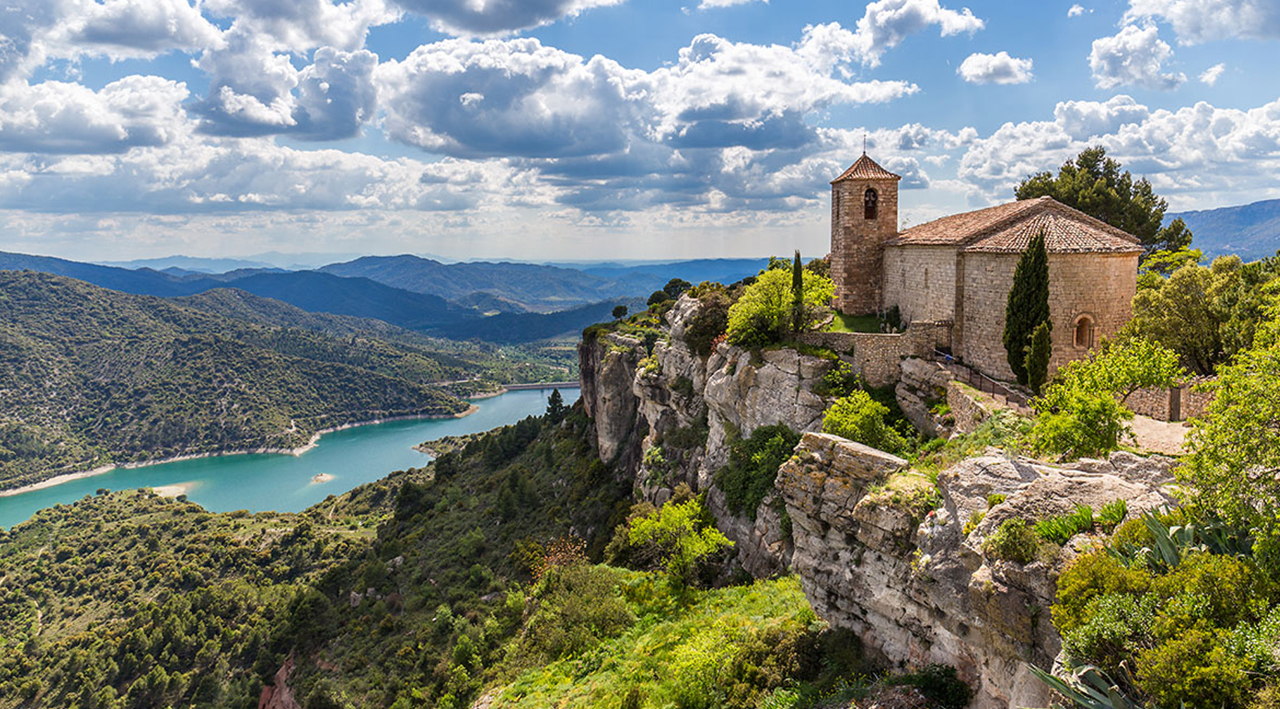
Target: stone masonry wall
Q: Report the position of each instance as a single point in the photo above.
(920, 280)
(1098, 285)
(857, 244)
(1156, 403)
(877, 357)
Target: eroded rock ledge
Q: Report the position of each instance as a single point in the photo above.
(914, 586)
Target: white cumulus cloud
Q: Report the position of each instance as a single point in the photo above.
(1078, 10)
(712, 4)
(470, 18)
(887, 22)
(1134, 57)
(59, 117)
(1211, 75)
(999, 68)
(1199, 148)
(1197, 21)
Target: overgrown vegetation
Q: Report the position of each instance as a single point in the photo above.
(860, 418)
(753, 466)
(764, 314)
(131, 600)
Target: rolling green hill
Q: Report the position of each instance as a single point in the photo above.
(91, 376)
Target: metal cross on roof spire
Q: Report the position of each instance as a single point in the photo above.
(864, 143)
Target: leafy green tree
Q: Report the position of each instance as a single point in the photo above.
(1095, 185)
(676, 286)
(1205, 314)
(659, 296)
(1028, 305)
(1038, 354)
(861, 419)
(753, 466)
(1081, 414)
(619, 312)
(684, 537)
(763, 315)
(1234, 466)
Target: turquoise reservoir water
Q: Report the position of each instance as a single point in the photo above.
(260, 482)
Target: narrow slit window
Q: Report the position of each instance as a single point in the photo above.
(1084, 332)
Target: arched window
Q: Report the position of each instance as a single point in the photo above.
(869, 200)
(1084, 332)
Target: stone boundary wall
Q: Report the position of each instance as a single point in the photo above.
(876, 356)
(1157, 402)
(969, 407)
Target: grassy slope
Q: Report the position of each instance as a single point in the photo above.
(91, 375)
(673, 653)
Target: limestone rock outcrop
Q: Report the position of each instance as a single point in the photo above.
(922, 591)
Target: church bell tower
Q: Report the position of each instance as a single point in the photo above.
(864, 215)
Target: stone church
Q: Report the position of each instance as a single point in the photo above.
(959, 269)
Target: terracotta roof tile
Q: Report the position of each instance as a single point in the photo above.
(866, 169)
(1008, 228)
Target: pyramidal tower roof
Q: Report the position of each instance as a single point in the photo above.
(866, 169)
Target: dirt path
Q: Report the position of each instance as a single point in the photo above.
(1159, 436)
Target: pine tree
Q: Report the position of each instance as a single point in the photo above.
(1038, 354)
(1028, 305)
(797, 294)
(556, 410)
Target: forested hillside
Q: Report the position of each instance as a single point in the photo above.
(93, 376)
(133, 600)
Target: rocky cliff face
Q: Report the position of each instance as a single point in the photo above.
(666, 416)
(915, 586)
(880, 549)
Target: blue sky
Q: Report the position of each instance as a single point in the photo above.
(558, 129)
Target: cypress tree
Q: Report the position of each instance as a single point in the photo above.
(1038, 354)
(1028, 305)
(797, 294)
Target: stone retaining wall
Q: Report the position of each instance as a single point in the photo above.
(877, 357)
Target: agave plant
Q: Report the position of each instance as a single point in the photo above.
(1089, 688)
(1172, 543)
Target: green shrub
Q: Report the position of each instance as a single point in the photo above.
(1195, 670)
(859, 418)
(975, 519)
(575, 607)
(710, 322)
(753, 466)
(939, 684)
(840, 380)
(683, 537)
(1013, 541)
(1118, 626)
(994, 499)
(1090, 576)
(1060, 528)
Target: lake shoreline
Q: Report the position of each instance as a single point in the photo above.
(315, 440)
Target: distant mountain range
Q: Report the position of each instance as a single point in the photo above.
(1251, 231)
(484, 301)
